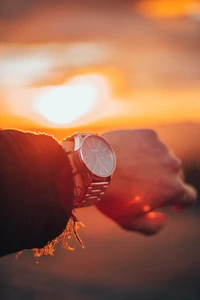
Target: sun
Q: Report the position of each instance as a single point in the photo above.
(64, 104)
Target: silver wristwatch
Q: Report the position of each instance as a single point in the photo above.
(93, 162)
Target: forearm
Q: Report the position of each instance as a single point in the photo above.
(36, 190)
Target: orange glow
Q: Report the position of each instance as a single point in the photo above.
(80, 100)
(151, 215)
(101, 96)
(134, 200)
(64, 104)
(168, 8)
(146, 208)
(137, 198)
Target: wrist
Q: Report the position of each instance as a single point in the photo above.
(79, 188)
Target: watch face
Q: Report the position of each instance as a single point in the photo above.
(98, 156)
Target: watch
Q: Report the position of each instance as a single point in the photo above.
(93, 161)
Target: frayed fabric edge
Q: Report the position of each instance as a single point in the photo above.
(70, 230)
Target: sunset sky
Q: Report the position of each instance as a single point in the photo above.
(125, 64)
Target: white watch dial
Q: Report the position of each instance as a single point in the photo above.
(98, 156)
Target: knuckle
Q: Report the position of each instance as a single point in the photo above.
(163, 148)
(175, 163)
(147, 139)
(179, 191)
(151, 133)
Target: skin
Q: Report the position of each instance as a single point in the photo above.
(147, 177)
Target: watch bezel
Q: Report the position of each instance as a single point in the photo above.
(80, 153)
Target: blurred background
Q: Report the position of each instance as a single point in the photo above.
(85, 65)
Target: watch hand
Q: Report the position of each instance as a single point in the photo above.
(98, 160)
(95, 164)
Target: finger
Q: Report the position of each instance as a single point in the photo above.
(148, 224)
(175, 192)
(188, 197)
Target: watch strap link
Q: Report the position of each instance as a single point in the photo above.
(94, 193)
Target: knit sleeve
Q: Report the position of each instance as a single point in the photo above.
(36, 190)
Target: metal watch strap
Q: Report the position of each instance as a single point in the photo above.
(94, 192)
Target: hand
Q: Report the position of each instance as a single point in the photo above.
(147, 177)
